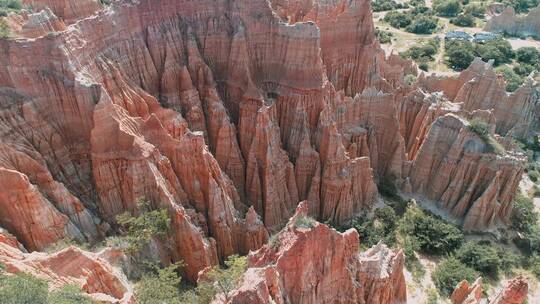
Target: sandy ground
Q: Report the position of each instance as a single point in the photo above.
(417, 292)
(526, 186)
(518, 43)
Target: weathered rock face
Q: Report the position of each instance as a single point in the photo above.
(320, 265)
(68, 10)
(467, 294)
(517, 25)
(479, 87)
(515, 292)
(69, 266)
(455, 168)
(228, 113)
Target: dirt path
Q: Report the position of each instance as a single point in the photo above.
(417, 292)
(526, 186)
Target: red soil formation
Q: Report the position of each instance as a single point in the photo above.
(228, 114)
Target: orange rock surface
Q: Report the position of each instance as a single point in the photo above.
(228, 114)
(514, 292)
(69, 266)
(317, 264)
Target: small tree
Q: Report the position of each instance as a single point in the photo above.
(221, 281)
(449, 273)
(447, 8)
(397, 19)
(530, 55)
(499, 50)
(142, 228)
(524, 217)
(162, 285)
(430, 234)
(460, 54)
(476, 10)
(464, 20)
(481, 257)
(422, 25)
(513, 80)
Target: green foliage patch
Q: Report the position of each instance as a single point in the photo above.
(449, 273)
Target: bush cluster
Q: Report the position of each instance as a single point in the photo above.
(449, 273)
(419, 20)
(430, 234)
(464, 20)
(7, 6)
(423, 52)
(163, 284)
(140, 229)
(461, 53)
(447, 8)
(521, 6)
(387, 5)
(383, 36)
(481, 128)
(24, 289)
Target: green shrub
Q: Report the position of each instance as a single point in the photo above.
(410, 246)
(449, 273)
(509, 261)
(498, 49)
(142, 228)
(432, 296)
(416, 3)
(422, 25)
(11, 5)
(521, 6)
(398, 19)
(159, 286)
(430, 234)
(464, 20)
(528, 54)
(5, 32)
(534, 265)
(420, 10)
(523, 70)
(23, 289)
(447, 8)
(381, 227)
(481, 129)
(475, 9)
(222, 280)
(482, 257)
(534, 175)
(419, 51)
(423, 66)
(460, 54)
(386, 5)
(383, 36)
(303, 221)
(69, 294)
(513, 80)
(523, 217)
(529, 241)
(409, 79)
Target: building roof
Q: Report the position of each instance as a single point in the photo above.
(458, 35)
(485, 36)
